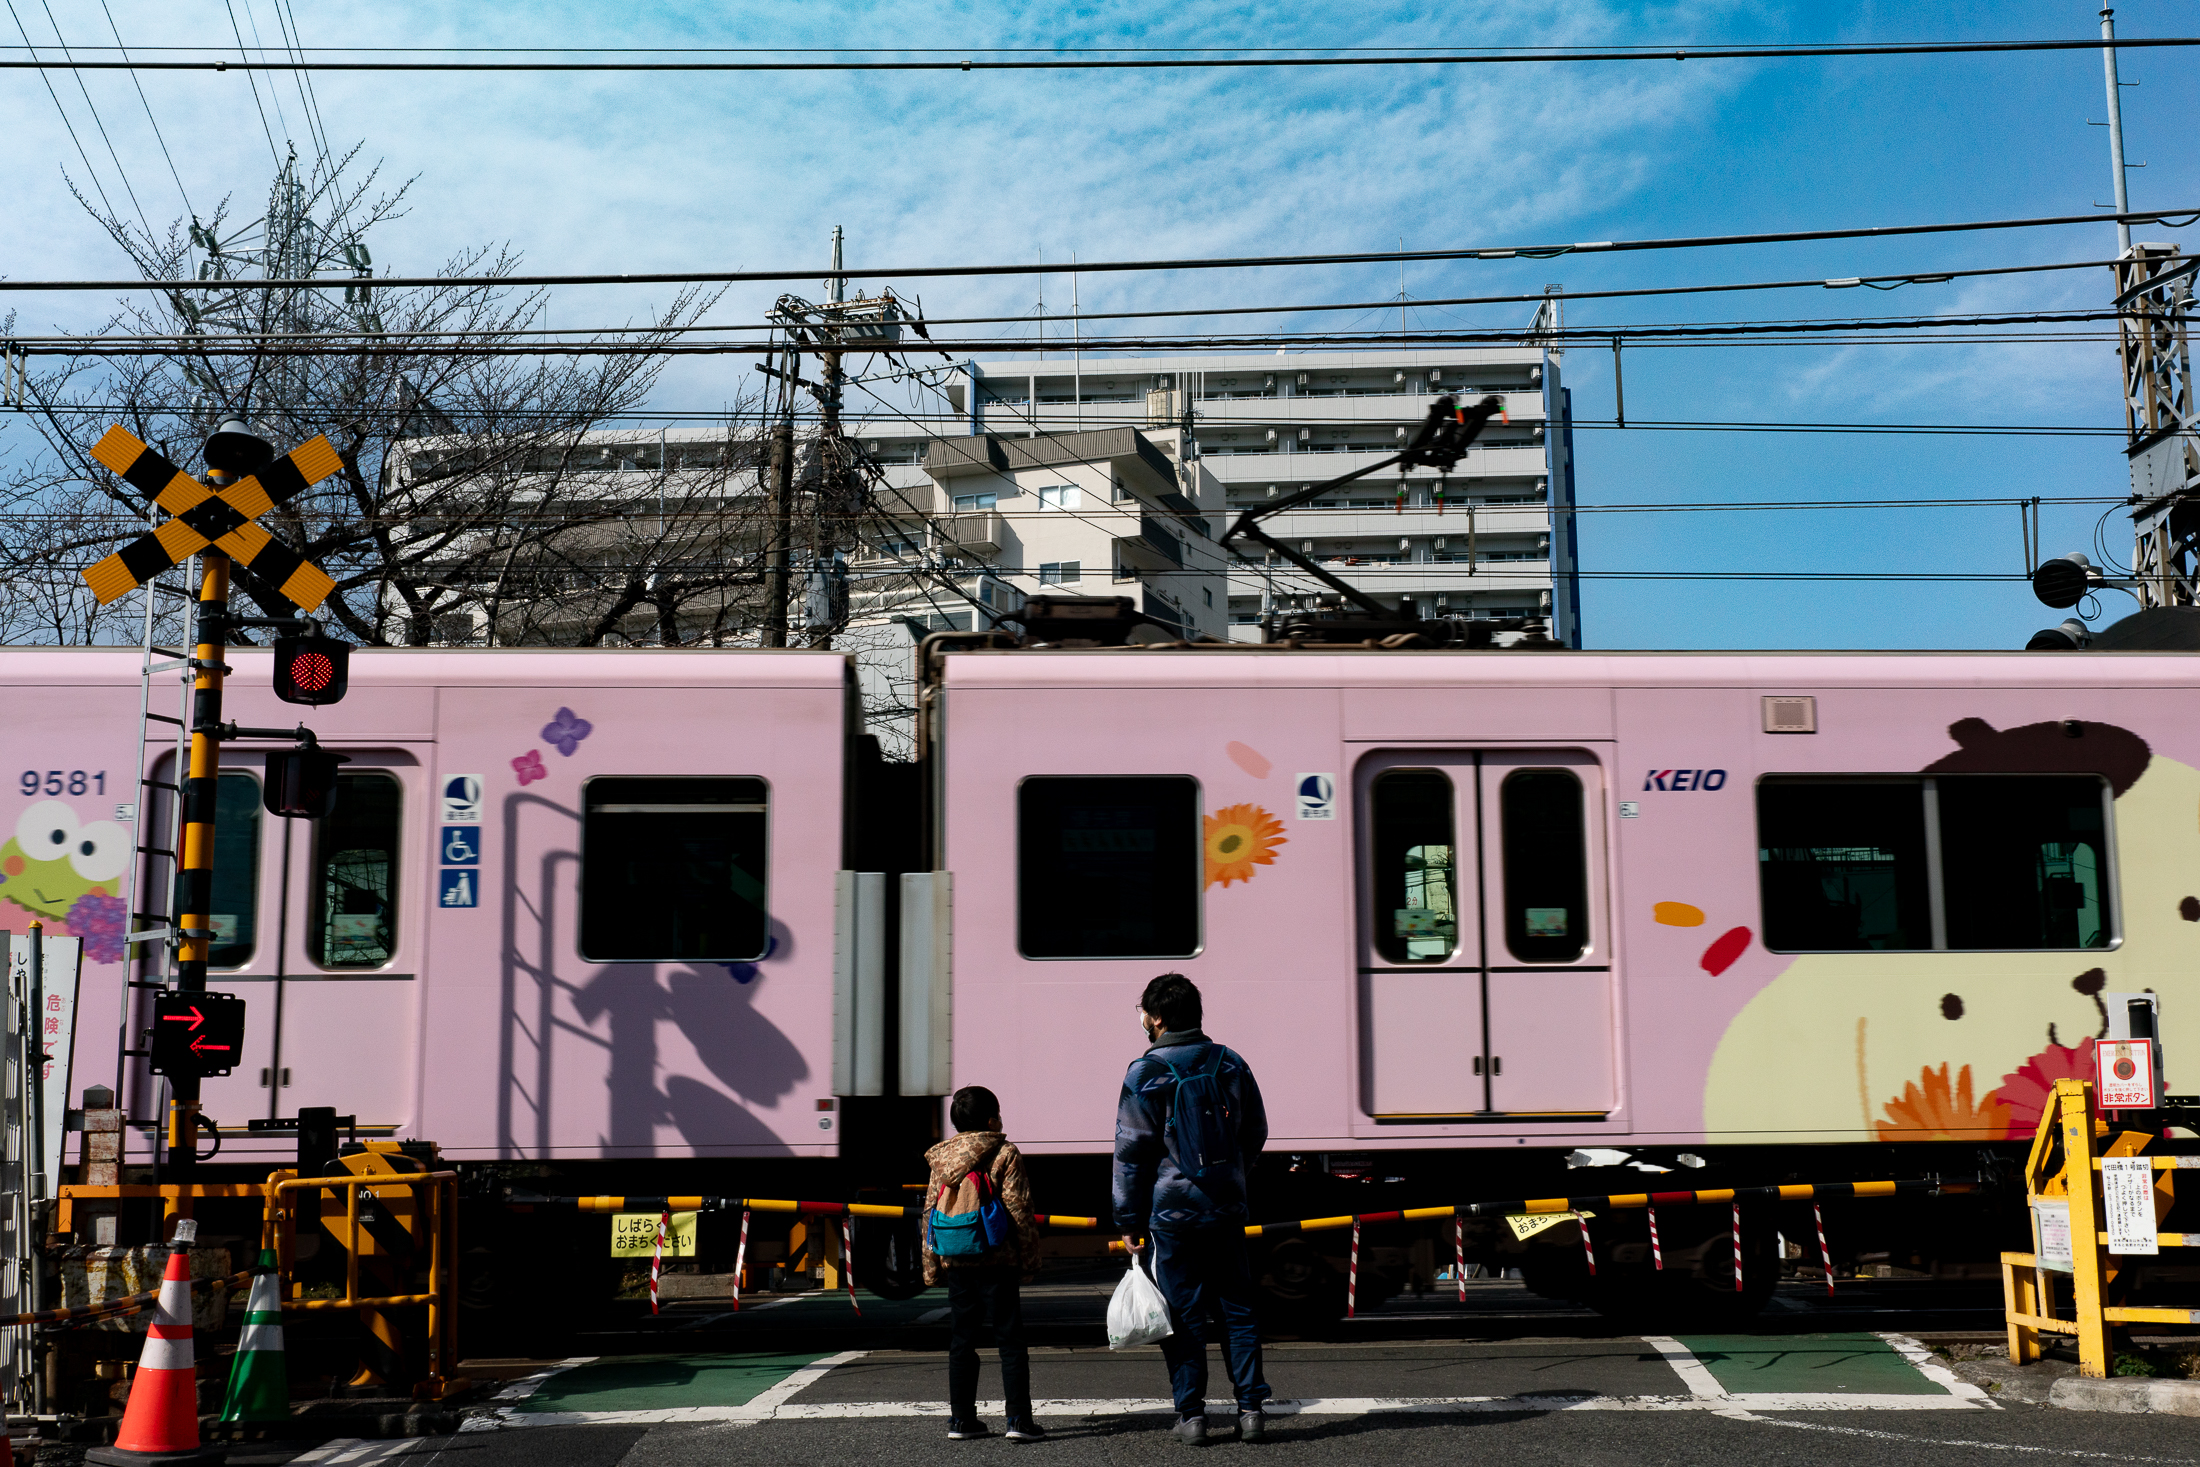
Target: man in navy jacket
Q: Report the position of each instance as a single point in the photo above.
(1198, 1231)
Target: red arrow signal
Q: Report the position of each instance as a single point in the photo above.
(200, 1046)
(194, 1019)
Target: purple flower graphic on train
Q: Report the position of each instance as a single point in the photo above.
(566, 731)
(528, 767)
(98, 921)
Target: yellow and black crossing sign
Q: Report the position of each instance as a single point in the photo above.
(205, 515)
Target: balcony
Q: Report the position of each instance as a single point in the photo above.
(981, 530)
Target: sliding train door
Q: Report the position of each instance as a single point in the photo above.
(1485, 950)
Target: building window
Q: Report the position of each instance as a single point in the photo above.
(1209, 595)
(1061, 572)
(1108, 867)
(986, 500)
(1847, 865)
(354, 914)
(673, 870)
(1059, 496)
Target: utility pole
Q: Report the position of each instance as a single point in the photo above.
(832, 473)
(2116, 130)
(782, 505)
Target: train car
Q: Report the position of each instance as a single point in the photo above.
(568, 906)
(660, 921)
(1788, 916)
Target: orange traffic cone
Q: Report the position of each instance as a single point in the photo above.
(160, 1425)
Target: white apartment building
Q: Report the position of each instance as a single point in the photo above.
(1493, 539)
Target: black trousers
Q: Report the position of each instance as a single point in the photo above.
(978, 1299)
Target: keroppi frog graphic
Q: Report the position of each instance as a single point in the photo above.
(60, 868)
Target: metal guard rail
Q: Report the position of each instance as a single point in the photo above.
(1792, 1192)
(128, 1304)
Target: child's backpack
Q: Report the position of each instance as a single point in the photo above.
(967, 1220)
(1202, 1133)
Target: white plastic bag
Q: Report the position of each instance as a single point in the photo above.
(1138, 1314)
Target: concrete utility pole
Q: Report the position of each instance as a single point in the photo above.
(832, 498)
(782, 506)
(2115, 129)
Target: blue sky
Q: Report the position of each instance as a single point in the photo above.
(642, 173)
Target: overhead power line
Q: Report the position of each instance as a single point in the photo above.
(1875, 282)
(1802, 331)
(1248, 59)
(2168, 218)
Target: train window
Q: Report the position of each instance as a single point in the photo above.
(353, 921)
(1416, 881)
(1841, 865)
(2024, 861)
(236, 890)
(1546, 865)
(673, 870)
(1108, 867)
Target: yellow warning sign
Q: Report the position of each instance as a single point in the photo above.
(634, 1235)
(1526, 1225)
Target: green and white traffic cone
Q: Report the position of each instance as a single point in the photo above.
(259, 1381)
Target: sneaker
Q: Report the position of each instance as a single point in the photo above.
(1026, 1430)
(966, 1431)
(1252, 1427)
(1192, 1431)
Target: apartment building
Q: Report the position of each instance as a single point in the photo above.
(1495, 538)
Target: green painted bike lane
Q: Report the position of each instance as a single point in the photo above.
(1832, 1364)
(716, 1378)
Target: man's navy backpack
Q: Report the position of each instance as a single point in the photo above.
(1202, 1132)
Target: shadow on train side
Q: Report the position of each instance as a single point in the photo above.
(553, 1028)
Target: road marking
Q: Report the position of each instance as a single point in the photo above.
(766, 1405)
(1699, 1380)
(784, 1409)
(1928, 1365)
(353, 1451)
(1935, 1441)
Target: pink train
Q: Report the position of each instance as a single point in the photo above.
(660, 921)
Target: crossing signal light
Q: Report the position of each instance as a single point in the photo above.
(311, 670)
(300, 784)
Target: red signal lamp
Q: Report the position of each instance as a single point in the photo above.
(300, 784)
(312, 670)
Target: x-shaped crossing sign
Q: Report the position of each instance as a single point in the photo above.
(204, 515)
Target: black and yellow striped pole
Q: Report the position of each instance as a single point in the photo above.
(216, 520)
(194, 900)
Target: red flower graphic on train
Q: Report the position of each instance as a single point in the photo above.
(2026, 1090)
(528, 767)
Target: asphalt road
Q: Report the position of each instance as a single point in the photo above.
(1506, 1376)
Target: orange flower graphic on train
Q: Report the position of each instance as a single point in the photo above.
(1942, 1111)
(1238, 838)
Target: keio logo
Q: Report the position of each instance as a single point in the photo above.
(1685, 779)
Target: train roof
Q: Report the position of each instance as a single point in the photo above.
(1248, 665)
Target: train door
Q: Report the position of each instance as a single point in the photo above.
(314, 931)
(347, 1003)
(1484, 945)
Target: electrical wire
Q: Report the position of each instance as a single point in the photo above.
(1059, 62)
(1874, 281)
(146, 102)
(2167, 218)
(100, 123)
(89, 171)
(257, 105)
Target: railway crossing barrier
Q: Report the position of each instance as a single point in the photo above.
(1555, 1209)
(377, 1211)
(2094, 1200)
